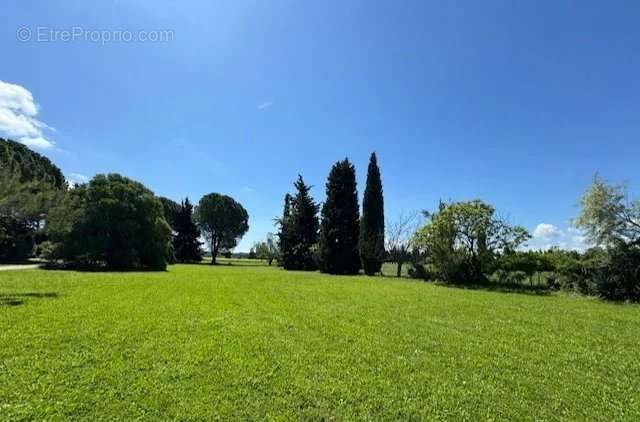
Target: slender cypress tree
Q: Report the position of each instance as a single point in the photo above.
(372, 222)
(284, 232)
(299, 229)
(186, 243)
(339, 229)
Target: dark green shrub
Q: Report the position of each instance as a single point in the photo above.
(113, 222)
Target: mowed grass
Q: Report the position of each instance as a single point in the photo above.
(233, 342)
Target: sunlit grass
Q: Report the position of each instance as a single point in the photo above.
(201, 342)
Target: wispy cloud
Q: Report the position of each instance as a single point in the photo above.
(247, 189)
(77, 179)
(265, 105)
(545, 236)
(18, 112)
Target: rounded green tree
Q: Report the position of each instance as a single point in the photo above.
(222, 220)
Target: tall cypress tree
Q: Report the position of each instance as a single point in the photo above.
(186, 243)
(339, 228)
(299, 229)
(284, 232)
(372, 222)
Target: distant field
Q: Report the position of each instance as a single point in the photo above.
(238, 342)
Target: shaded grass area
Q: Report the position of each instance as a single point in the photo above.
(201, 342)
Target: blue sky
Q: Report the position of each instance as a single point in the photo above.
(517, 103)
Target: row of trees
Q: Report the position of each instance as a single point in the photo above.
(111, 222)
(465, 242)
(340, 242)
(461, 242)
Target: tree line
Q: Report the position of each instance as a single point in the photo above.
(339, 241)
(110, 222)
(462, 242)
(117, 223)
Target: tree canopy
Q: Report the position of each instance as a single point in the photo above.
(371, 243)
(29, 186)
(25, 165)
(340, 225)
(222, 220)
(462, 238)
(113, 221)
(186, 243)
(298, 233)
(607, 216)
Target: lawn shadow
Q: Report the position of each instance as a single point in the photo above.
(502, 288)
(15, 299)
(93, 268)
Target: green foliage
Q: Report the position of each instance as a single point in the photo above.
(112, 221)
(171, 210)
(371, 243)
(29, 186)
(299, 229)
(222, 220)
(612, 273)
(528, 263)
(252, 343)
(462, 240)
(186, 243)
(16, 239)
(619, 277)
(267, 249)
(28, 166)
(340, 226)
(607, 215)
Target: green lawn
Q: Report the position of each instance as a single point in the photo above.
(249, 342)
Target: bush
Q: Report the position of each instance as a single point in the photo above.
(419, 271)
(113, 221)
(16, 239)
(619, 278)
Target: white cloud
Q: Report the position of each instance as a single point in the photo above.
(77, 179)
(18, 113)
(264, 105)
(547, 231)
(247, 189)
(546, 236)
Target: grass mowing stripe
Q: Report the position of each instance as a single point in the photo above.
(202, 342)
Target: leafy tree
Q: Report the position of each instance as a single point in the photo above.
(398, 239)
(171, 210)
(299, 229)
(223, 222)
(462, 239)
(29, 186)
(340, 227)
(186, 243)
(372, 223)
(113, 221)
(618, 277)
(607, 215)
(16, 239)
(529, 263)
(268, 249)
(29, 166)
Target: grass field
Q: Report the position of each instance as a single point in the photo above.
(252, 342)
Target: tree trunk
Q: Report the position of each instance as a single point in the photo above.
(399, 271)
(214, 253)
